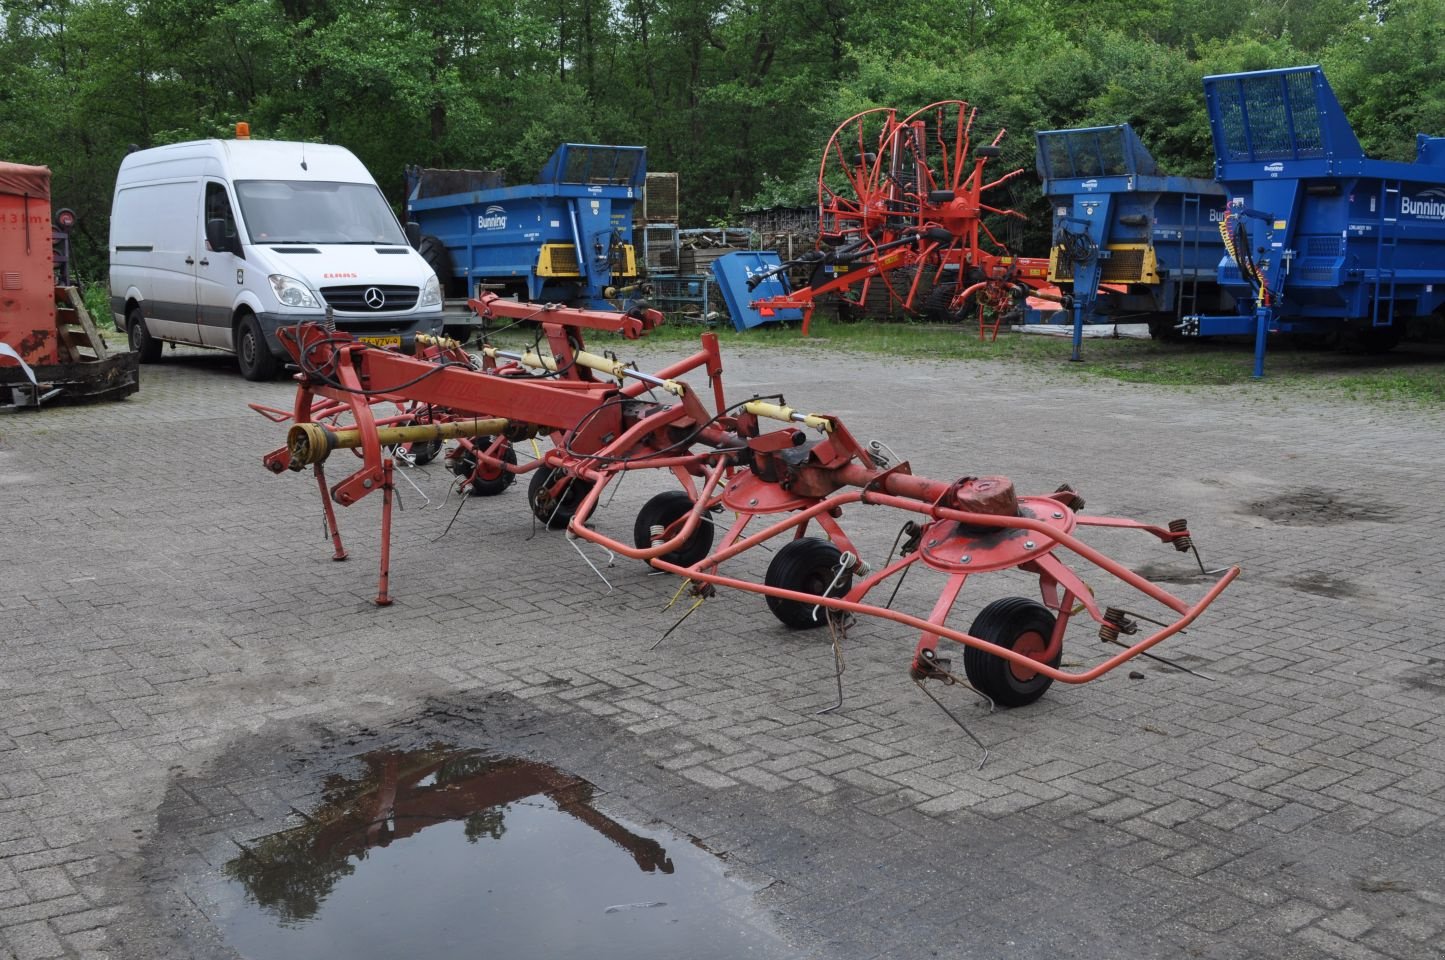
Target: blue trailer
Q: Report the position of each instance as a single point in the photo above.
(567, 238)
(1153, 239)
(1321, 238)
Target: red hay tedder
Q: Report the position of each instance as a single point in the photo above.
(782, 474)
(902, 204)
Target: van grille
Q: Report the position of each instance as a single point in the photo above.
(354, 298)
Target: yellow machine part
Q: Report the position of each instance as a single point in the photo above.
(1127, 263)
(560, 260)
(557, 260)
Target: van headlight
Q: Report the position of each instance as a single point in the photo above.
(292, 293)
(431, 292)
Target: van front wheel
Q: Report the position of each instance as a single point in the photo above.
(252, 354)
(140, 338)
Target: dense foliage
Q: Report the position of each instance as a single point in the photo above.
(738, 96)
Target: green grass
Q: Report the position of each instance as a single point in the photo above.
(97, 304)
(1414, 372)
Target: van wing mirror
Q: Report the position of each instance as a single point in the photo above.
(216, 237)
(413, 234)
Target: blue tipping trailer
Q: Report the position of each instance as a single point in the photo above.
(567, 238)
(1321, 238)
(1117, 220)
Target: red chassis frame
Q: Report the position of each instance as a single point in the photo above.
(724, 459)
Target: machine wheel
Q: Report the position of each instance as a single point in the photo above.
(935, 305)
(1372, 339)
(1163, 328)
(439, 258)
(807, 565)
(424, 453)
(253, 356)
(664, 510)
(556, 514)
(140, 338)
(485, 486)
(1016, 623)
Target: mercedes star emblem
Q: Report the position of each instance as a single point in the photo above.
(374, 298)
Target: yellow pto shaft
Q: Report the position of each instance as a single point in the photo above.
(311, 443)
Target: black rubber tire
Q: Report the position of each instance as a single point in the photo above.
(664, 510)
(556, 515)
(807, 565)
(466, 464)
(253, 356)
(425, 452)
(935, 305)
(439, 258)
(1164, 330)
(1371, 340)
(140, 338)
(1006, 622)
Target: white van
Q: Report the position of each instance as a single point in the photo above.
(220, 243)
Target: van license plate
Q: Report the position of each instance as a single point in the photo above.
(382, 341)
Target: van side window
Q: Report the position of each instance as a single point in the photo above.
(218, 207)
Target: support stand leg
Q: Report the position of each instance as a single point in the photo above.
(383, 598)
(1261, 335)
(332, 530)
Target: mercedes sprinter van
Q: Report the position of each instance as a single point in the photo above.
(220, 243)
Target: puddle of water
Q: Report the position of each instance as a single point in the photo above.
(445, 853)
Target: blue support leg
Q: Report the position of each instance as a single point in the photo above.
(1261, 331)
(1078, 332)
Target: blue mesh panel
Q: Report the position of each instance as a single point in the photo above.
(1324, 246)
(1086, 153)
(1271, 117)
(1305, 112)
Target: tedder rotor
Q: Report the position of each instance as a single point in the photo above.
(784, 475)
(904, 209)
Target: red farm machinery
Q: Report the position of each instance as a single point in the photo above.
(908, 216)
(785, 477)
(49, 348)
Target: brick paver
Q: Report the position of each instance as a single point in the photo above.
(182, 662)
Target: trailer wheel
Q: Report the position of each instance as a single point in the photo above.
(555, 511)
(663, 511)
(1016, 623)
(1163, 329)
(253, 356)
(1372, 339)
(140, 338)
(483, 485)
(806, 565)
(439, 258)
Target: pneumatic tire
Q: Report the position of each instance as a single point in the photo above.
(1015, 623)
(253, 356)
(665, 510)
(806, 565)
(139, 337)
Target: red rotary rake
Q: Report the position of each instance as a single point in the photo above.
(904, 201)
(783, 474)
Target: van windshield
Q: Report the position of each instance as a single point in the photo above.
(306, 211)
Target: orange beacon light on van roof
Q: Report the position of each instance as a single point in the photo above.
(243, 130)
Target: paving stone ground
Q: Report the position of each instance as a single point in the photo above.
(181, 664)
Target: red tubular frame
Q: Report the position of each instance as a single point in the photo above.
(596, 441)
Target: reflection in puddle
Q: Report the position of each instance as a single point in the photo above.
(441, 852)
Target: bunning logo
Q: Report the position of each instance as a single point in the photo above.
(494, 218)
(1275, 167)
(1427, 204)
